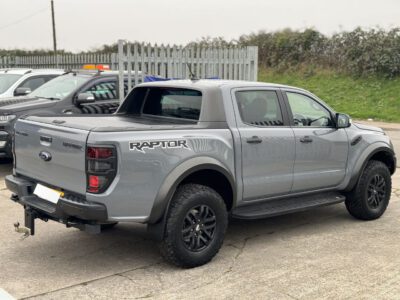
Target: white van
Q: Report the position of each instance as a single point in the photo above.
(20, 82)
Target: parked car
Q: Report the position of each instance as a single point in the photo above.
(82, 92)
(182, 156)
(20, 82)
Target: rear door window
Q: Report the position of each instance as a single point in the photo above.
(102, 91)
(34, 82)
(259, 107)
(172, 102)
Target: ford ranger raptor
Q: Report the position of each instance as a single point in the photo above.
(184, 157)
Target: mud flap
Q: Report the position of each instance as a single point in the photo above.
(156, 231)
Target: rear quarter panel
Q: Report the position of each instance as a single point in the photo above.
(141, 173)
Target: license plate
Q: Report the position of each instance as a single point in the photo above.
(46, 193)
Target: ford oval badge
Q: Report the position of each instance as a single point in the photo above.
(46, 156)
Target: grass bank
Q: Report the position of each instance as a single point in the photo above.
(362, 98)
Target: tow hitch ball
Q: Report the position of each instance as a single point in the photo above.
(29, 228)
(26, 231)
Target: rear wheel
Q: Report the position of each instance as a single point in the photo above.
(370, 197)
(195, 227)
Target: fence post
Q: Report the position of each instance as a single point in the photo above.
(252, 54)
(114, 61)
(142, 59)
(169, 62)
(129, 66)
(255, 63)
(16, 61)
(136, 64)
(121, 68)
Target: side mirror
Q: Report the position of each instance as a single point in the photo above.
(22, 91)
(84, 98)
(343, 121)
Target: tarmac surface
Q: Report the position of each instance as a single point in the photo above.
(322, 253)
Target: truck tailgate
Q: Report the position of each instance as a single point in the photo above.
(52, 154)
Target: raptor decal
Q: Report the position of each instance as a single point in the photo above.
(171, 144)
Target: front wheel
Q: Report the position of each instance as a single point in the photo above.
(196, 223)
(370, 197)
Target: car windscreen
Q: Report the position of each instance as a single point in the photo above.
(164, 102)
(60, 87)
(7, 80)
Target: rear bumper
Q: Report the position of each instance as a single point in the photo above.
(68, 208)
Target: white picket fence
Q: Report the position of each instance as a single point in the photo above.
(167, 61)
(238, 63)
(66, 61)
(185, 62)
(174, 62)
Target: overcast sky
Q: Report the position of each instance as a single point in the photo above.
(84, 24)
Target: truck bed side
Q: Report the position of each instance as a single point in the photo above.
(147, 158)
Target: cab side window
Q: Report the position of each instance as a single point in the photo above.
(102, 91)
(34, 82)
(259, 108)
(308, 112)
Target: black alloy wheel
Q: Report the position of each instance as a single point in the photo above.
(370, 197)
(199, 228)
(195, 226)
(376, 192)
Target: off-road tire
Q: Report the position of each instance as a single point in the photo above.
(189, 200)
(357, 200)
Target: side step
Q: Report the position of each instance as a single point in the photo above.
(286, 205)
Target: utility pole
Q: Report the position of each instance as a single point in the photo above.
(54, 28)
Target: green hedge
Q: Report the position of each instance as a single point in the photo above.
(358, 52)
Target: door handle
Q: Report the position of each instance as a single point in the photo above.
(254, 140)
(306, 139)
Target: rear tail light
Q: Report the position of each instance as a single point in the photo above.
(99, 152)
(101, 167)
(94, 184)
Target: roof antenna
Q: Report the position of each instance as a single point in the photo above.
(192, 75)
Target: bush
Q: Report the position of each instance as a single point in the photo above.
(358, 52)
(23, 52)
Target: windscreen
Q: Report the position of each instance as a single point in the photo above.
(60, 87)
(164, 102)
(7, 80)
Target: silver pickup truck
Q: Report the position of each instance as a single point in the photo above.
(184, 156)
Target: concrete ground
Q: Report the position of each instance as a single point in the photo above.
(323, 253)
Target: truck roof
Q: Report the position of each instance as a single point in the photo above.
(215, 83)
(23, 71)
(96, 73)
